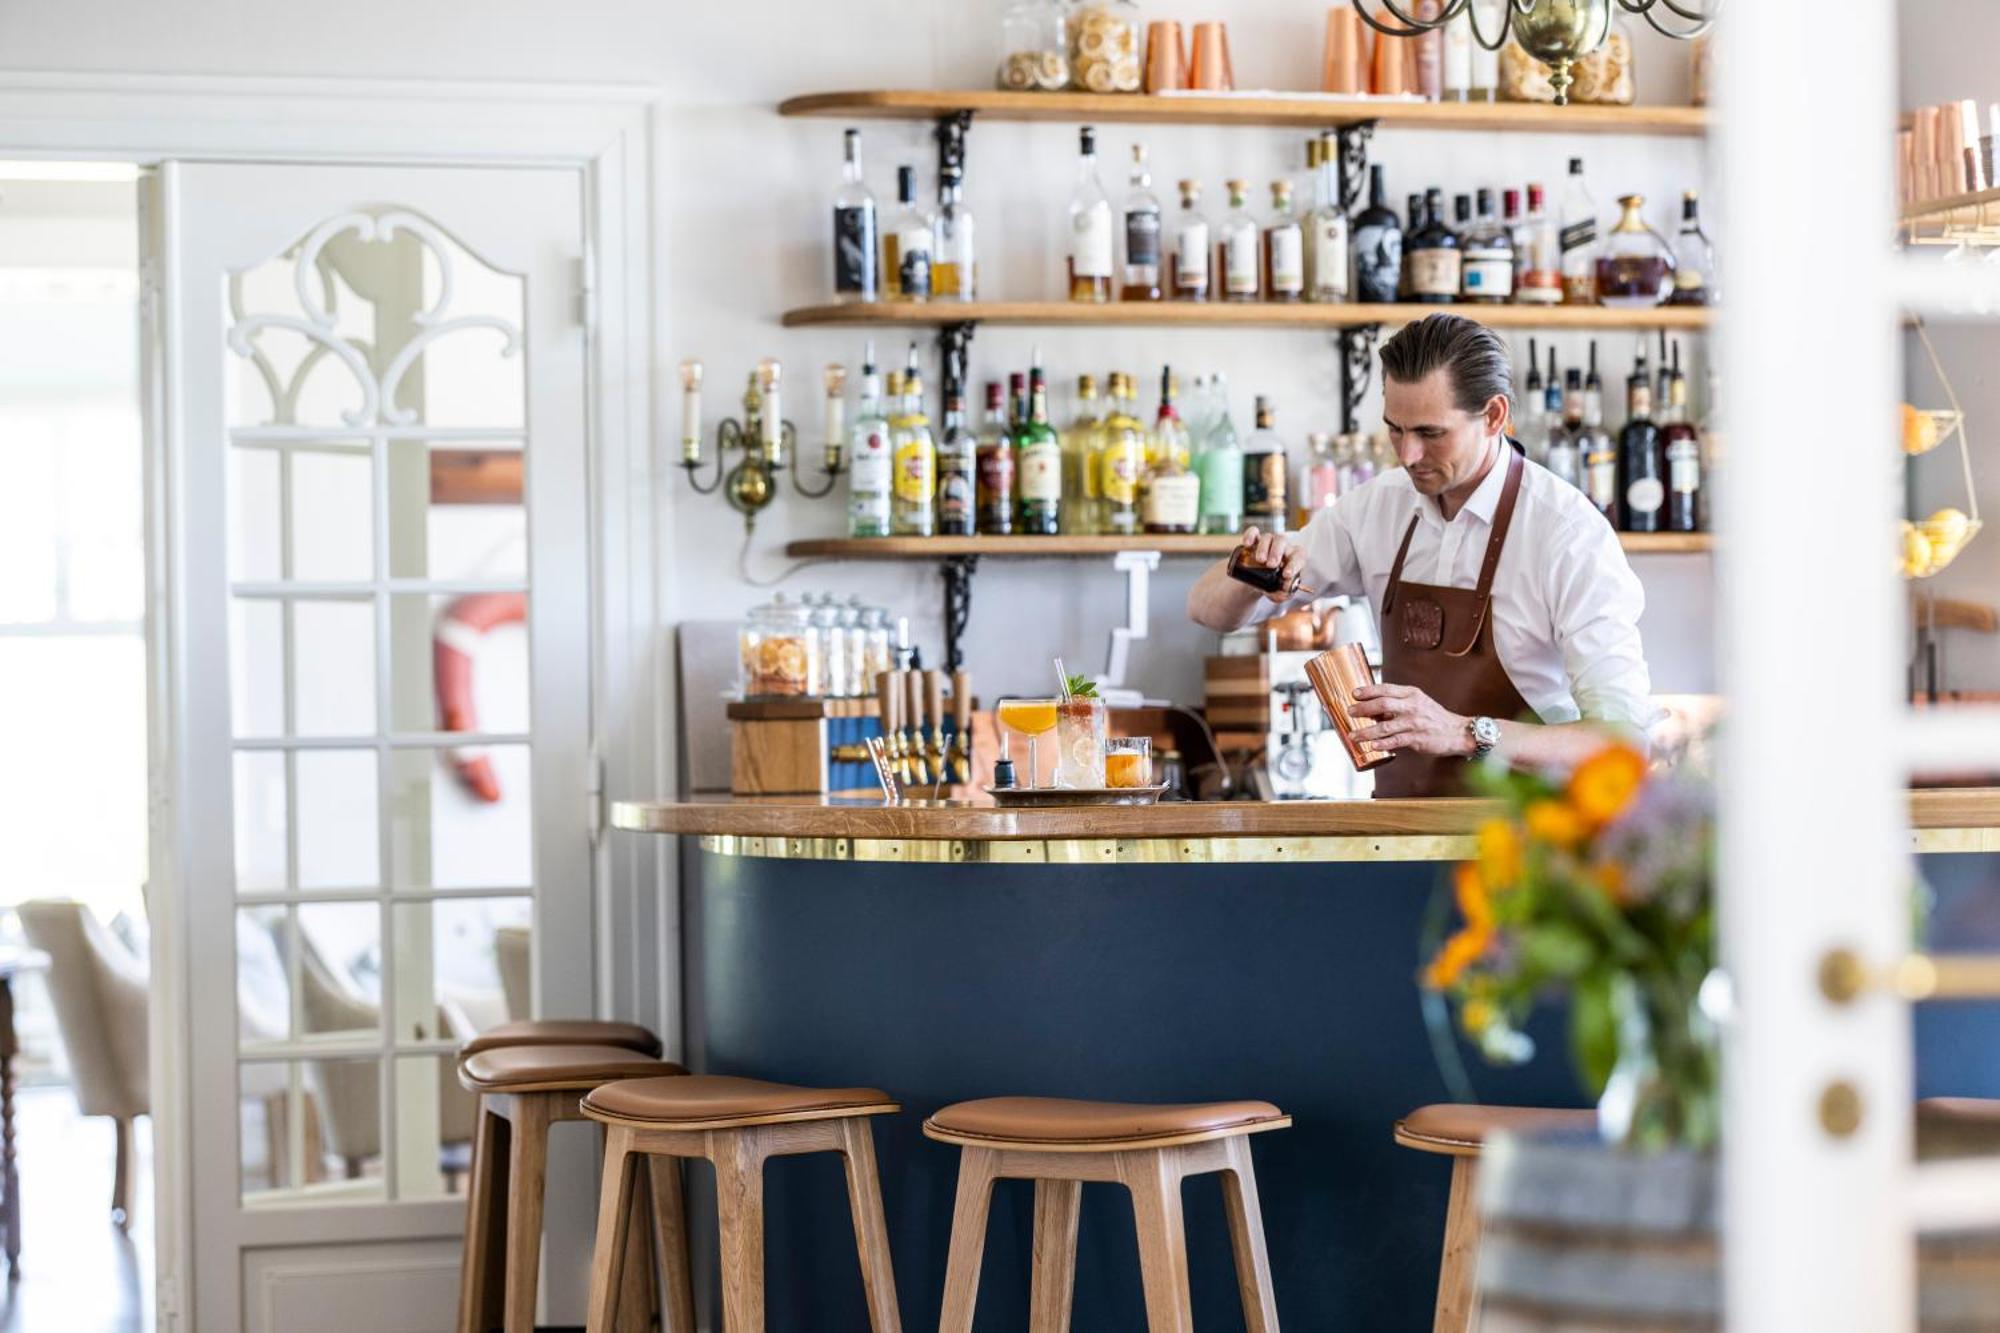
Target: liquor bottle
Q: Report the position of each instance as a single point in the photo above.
(1169, 493)
(1284, 248)
(1539, 280)
(1488, 271)
(1219, 467)
(1635, 268)
(1038, 461)
(994, 467)
(1378, 246)
(1189, 261)
(1713, 434)
(1121, 464)
(1458, 44)
(913, 512)
(1680, 445)
(954, 260)
(1082, 442)
(906, 244)
(1328, 262)
(1531, 424)
(1089, 228)
(855, 275)
(1642, 464)
(1265, 469)
(1410, 230)
(1430, 52)
(1597, 452)
(870, 458)
(1579, 239)
(1142, 234)
(957, 470)
(1694, 258)
(1566, 439)
(1319, 479)
(1239, 247)
(1435, 256)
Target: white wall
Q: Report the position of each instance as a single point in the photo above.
(743, 235)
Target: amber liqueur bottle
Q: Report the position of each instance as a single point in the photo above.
(1642, 480)
(993, 466)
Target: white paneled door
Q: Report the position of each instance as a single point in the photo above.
(374, 680)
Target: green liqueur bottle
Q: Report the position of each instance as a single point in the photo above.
(1038, 461)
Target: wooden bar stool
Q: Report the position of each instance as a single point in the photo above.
(563, 1032)
(522, 1091)
(736, 1123)
(1460, 1132)
(1060, 1144)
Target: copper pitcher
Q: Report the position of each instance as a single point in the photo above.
(1304, 629)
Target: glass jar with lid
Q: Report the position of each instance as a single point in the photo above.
(778, 650)
(854, 646)
(1635, 269)
(830, 681)
(1106, 47)
(1034, 45)
(880, 656)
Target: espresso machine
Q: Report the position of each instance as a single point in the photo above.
(1304, 759)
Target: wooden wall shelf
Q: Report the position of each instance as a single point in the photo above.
(1296, 111)
(939, 548)
(1226, 314)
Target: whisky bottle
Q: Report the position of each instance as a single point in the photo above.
(1566, 439)
(1378, 246)
(1487, 274)
(1189, 261)
(1121, 462)
(1529, 424)
(1219, 467)
(1680, 445)
(1038, 462)
(855, 275)
(906, 244)
(957, 470)
(1170, 495)
(1327, 259)
(870, 459)
(993, 463)
(1082, 442)
(1694, 258)
(1170, 432)
(1539, 280)
(1410, 230)
(1142, 234)
(1597, 452)
(1089, 228)
(1239, 247)
(1642, 482)
(913, 512)
(1579, 239)
(954, 260)
(1265, 473)
(1284, 248)
(1435, 256)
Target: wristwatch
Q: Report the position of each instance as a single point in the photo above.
(1485, 734)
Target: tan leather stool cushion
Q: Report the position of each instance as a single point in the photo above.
(709, 1098)
(1462, 1130)
(549, 1068)
(1031, 1120)
(561, 1031)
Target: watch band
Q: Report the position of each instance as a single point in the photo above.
(1481, 747)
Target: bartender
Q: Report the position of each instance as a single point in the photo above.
(1509, 615)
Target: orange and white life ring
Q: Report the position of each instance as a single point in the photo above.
(460, 628)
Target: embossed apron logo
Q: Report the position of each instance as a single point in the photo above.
(1423, 623)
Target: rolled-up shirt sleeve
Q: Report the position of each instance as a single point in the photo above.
(1595, 601)
(1332, 567)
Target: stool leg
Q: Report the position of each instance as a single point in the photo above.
(1246, 1238)
(614, 1220)
(1457, 1302)
(739, 1197)
(871, 1227)
(968, 1238)
(528, 1164)
(1058, 1204)
(1155, 1181)
(479, 1274)
(670, 1233)
(639, 1291)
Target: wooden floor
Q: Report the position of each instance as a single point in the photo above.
(79, 1273)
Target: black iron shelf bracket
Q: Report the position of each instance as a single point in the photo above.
(957, 571)
(954, 345)
(1352, 163)
(1357, 369)
(952, 127)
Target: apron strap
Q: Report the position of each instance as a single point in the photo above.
(1396, 570)
(1503, 518)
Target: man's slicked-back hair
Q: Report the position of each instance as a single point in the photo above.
(1472, 354)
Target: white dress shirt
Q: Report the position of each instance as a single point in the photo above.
(1566, 603)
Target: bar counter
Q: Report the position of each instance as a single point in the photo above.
(1181, 952)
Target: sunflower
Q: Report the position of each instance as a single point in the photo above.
(1604, 784)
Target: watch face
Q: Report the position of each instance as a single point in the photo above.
(1486, 731)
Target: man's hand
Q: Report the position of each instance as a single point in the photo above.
(1271, 549)
(1408, 719)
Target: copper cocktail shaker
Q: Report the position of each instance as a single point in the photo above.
(1335, 675)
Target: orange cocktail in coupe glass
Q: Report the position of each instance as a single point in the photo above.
(1030, 718)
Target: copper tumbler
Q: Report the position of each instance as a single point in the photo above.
(1343, 69)
(1209, 69)
(1392, 75)
(1335, 675)
(1166, 57)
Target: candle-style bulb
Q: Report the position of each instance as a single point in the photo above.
(691, 375)
(690, 412)
(835, 376)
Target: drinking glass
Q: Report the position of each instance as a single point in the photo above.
(1031, 718)
(1080, 743)
(1128, 761)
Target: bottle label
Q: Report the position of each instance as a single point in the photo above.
(1562, 461)
(1041, 472)
(1541, 286)
(916, 464)
(1172, 501)
(1118, 471)
(1489, 273)
(1288, 268)
(955, 492)
(913, 275)
(1601, 481)
(1220, 472)
(1687, 278)
(996, 483)
(1142, 239)
(1435, 272)
(1191, 254)
(1329, 256)
(1264, 486)
(1579, 235)
(1378, 262)
(1090, 243)
(1239, 262)
(854, 250)
(1645, 496)
(1684, 467)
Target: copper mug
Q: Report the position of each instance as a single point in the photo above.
(1335, 675)
(1166, 58)
(1343, 69)
(1209, 70)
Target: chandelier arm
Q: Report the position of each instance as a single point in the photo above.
(1701, 19)
(1413, 28)
(1710, 11)
(1506, 28)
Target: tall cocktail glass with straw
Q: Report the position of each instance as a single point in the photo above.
(1080, 727)
(1031, 718)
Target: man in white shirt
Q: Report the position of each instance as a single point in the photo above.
(1509, 616)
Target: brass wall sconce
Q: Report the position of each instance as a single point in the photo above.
(767, 443)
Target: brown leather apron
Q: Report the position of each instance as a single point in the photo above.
(1441, 641)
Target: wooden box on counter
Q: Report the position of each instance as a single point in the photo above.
(1236, 696)
(784, 747)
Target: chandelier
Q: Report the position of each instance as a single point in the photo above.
(1556, 32)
